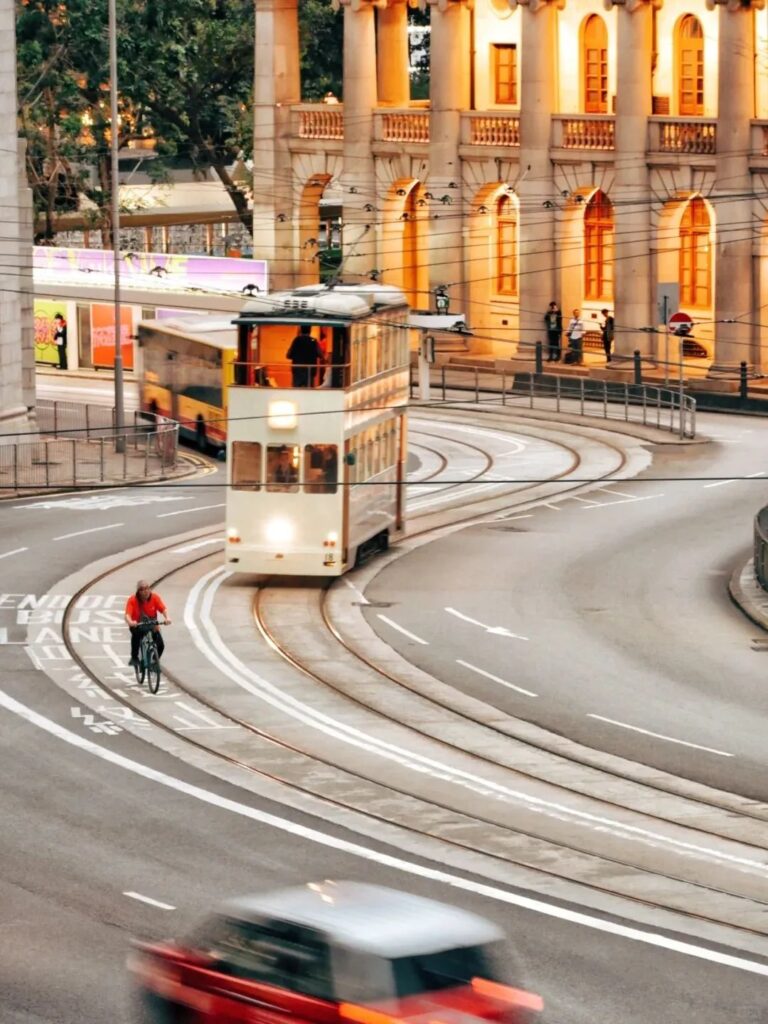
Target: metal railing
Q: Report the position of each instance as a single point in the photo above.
(761, 547)
(88, 456)
(647, 404)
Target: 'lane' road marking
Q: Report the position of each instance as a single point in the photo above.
(495, 679)
(484, 889)
(403, 630)
(659, 736)
(95, 529)
(183, 511)
(149, 900)
(16, 551)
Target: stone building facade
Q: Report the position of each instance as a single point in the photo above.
(17, 366)
(587, 151)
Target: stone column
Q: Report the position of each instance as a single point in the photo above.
(277, 86)
(734, 271)
(536, 231)
(633, 286)
(392, 57)
(358, 178)
(16, 392)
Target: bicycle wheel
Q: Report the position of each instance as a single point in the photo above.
(137, 669)
(153, 669)
(141, 671)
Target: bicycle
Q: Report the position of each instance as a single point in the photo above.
(148, 664)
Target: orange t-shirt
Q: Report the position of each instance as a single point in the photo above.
(134, 608)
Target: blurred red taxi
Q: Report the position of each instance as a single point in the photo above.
(333, 953)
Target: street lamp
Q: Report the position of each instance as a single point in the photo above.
(113, 146)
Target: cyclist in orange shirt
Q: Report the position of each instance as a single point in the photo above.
(144, 604)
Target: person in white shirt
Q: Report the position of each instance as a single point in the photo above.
(575, 334)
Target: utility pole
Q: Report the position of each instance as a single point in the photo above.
(114, 144)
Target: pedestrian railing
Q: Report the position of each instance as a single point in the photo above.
(88, 456)
(761, 547)
(659, 407)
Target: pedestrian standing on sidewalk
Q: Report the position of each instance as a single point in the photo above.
(553, 322)
(60, 339)
(575, 333)
(608, 333)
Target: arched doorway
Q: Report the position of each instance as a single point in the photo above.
(689, 65)
(594, 65)
(695, 265)
(403, 241)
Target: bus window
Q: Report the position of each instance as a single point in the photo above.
(246, 465)
(282, 467)
(321, 468)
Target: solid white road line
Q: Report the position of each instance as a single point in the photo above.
(659, 736)
(720, 483)
(361, 596)
(403, 630)
(751, 476)
(183, 511)
(16, 551)
(495, 630)
(509, 519)
(538, 906)
(149, 900)
(95, 529)
(495, 679)
(197, 544)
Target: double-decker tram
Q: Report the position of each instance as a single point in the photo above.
(316, 431)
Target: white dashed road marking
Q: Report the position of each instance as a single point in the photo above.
(148, 899)
(404, 631)
(183, 511)
(16, 551)
(495, 679)
(94, 529)
(659, 736)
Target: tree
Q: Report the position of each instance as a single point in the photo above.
(321, 36)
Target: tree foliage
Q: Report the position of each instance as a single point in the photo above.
(321, 37)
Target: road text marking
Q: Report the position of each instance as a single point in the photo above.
(495, 679)
(659, 736)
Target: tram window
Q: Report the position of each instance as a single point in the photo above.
(321, 468)
(283, 467)
(246, 465)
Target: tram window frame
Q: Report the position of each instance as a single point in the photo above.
(251, 484)
(323, 485)
(274, 486)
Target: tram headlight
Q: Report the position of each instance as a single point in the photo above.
(279, 532)
(282, 415)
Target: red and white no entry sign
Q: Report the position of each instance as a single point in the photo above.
(680, 323)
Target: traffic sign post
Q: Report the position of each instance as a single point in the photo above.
(681, 325)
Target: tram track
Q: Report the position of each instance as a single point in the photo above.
(470, 823)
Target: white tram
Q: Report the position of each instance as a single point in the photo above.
(316, 451)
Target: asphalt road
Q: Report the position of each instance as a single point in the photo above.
(79, 833)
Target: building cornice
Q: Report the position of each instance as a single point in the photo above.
(536, 5)
(736, 5)
(632, 5)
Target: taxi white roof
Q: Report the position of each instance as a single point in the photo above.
(370, 918)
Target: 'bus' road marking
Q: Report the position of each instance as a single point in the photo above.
(403, 630)
(487, 891)
(16, 551)
(495, 630)
(495, 679)
(183, 511)
(659, 736)
(94, 529)
(149, 900)
(197, 544)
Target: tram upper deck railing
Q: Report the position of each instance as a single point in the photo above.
(285, 374)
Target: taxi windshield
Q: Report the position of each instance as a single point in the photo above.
(449, 968)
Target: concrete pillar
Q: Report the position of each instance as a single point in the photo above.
(734, 272)
(15, 243)
(358, 172)
(536, 231)
(449, 93)
(633, 287)
(277, 86)
(392, 58)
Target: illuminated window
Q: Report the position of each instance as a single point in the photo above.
(594, 62)
(504, 64)
(690, 67)
(246, 465)
(695, 256)
(283, 467)
(506, 247)
(598, 247)
(321, 468)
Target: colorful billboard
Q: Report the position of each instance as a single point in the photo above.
(47, 329)
(103, 335)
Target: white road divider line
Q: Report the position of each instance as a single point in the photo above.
(16, 551)
(355, 590)
(618, 494)
(624, 501)
(95, 529)
(197, 544)
(751, 476)
(720, 483)
(495, 630)
(509, 519)
(491, 892)
(148, 899)
(660, 736)
(495, 679)
(403, 630)
(184, 511)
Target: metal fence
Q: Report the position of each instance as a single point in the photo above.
(85, 450)
(761, 547)
(652, 406)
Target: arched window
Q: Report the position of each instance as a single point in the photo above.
(506, 247)
(690, 67)
(594, 63)
(411, 246)
(598, 247)
(695, 256)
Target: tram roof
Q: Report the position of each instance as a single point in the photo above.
(216, 331)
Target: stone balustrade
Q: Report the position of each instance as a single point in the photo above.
(693, 136)
(592, 132)
(402, 126)
(319, 121)
(490, 128)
